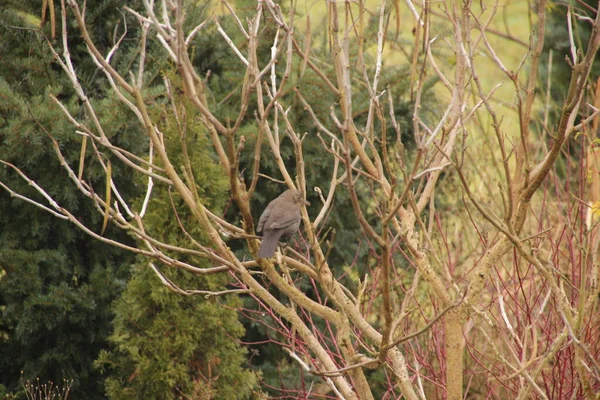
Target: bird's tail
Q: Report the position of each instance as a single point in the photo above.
(269, 244)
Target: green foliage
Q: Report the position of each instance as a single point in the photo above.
(166, 345)
(557, 41)
(56, 283)
(57, 286)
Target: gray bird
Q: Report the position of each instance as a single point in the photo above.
(280, 220)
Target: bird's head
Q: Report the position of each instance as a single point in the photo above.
(297, 197)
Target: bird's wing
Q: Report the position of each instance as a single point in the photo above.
(282, 217)
(264, 217)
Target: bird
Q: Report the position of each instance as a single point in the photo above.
(281, 219)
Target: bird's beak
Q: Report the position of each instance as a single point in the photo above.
(307, 203)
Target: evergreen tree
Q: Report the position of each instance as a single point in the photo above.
(163, 344)
(557, 40)
(558, 43)
(167, 345)
(56, 283)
